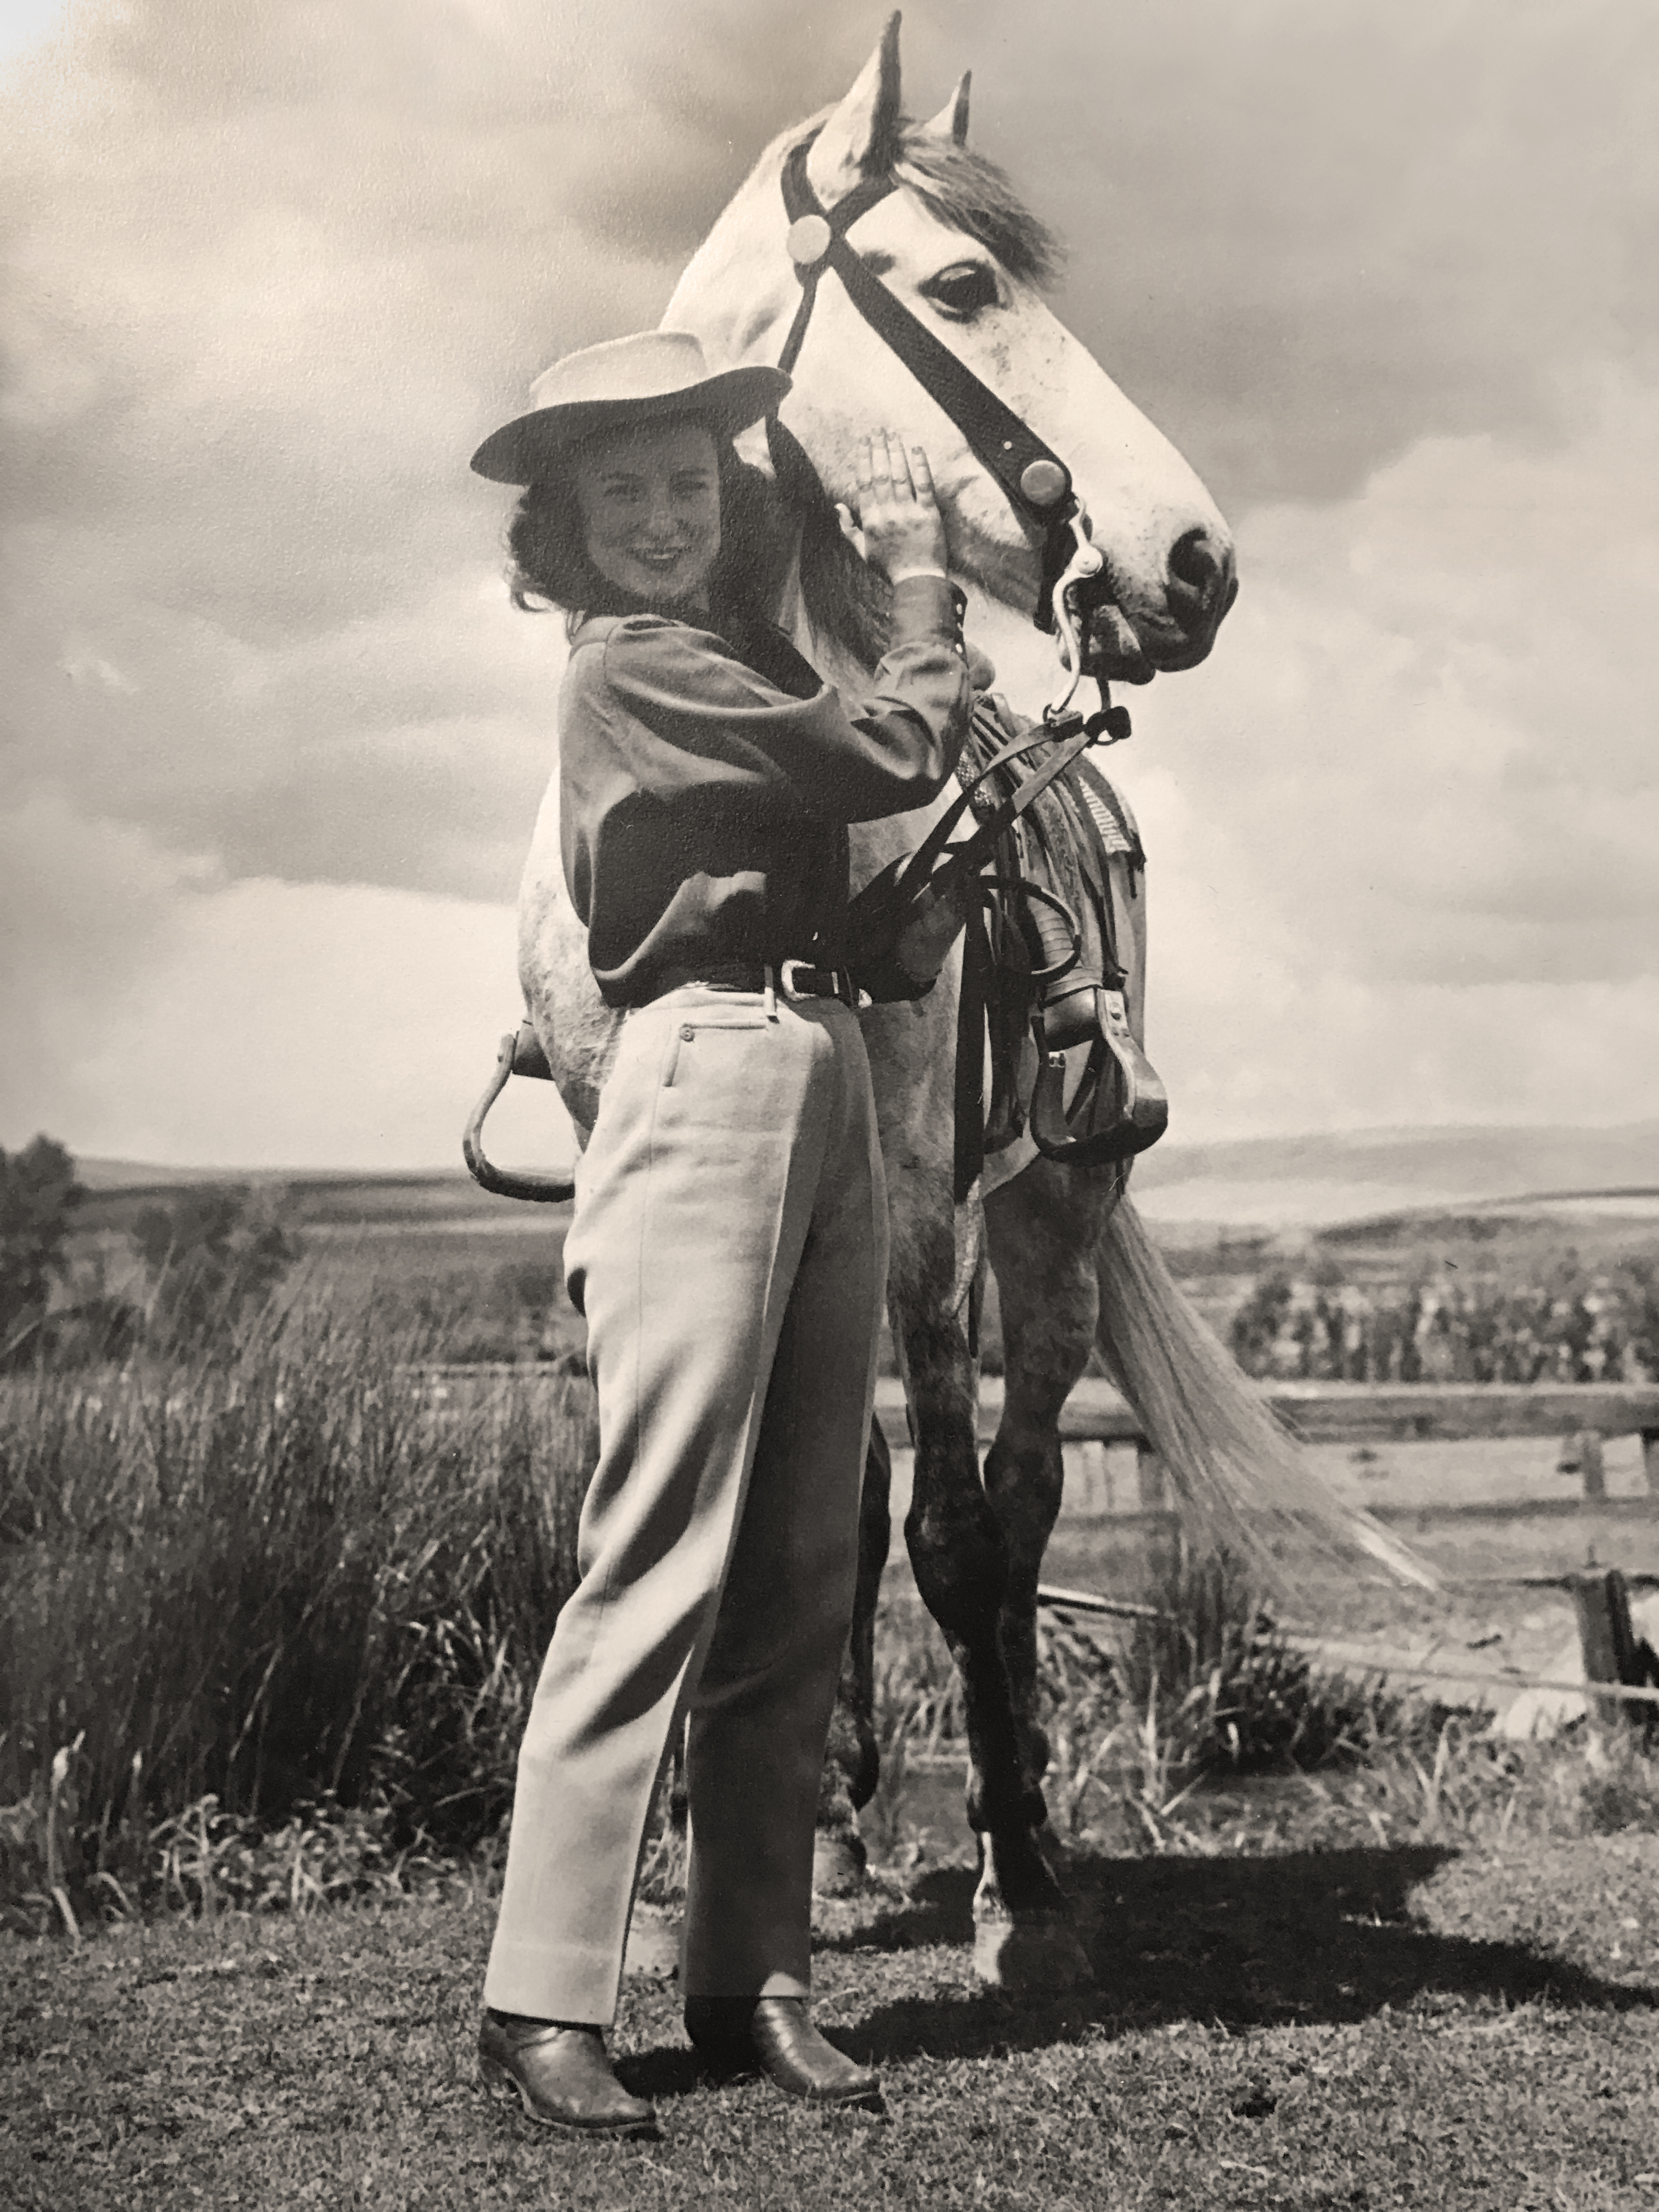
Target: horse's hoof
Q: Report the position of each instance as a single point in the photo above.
(839, 1863)
(1040, 1951)
(654, 1944)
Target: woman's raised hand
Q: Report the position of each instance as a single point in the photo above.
(901, 526)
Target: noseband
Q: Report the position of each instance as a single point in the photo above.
(1034, 481)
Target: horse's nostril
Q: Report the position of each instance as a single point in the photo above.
(1201, 582)
(1195, 563)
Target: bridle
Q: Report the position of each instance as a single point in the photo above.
(1038, 486)
(1033, 479)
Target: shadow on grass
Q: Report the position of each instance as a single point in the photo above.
(1305, 1938)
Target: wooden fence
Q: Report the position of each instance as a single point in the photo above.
(1580, 1416)
(1621, 1673)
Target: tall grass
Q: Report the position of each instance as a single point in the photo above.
(262, 1569)
(1228, 1692)
(271, 1610)
(1201, 1730)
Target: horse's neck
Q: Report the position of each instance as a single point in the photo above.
(873, 843)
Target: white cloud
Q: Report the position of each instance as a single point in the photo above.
(1423, 749)
(273, 269)
(27, 24)
(291, 1025)
(1403, 824)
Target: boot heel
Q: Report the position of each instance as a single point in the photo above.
(495, 2077)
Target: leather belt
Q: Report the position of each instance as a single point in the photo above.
(789, 979)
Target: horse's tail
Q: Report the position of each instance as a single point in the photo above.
(1238, 1473)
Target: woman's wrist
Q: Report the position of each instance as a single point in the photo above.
(926, 604)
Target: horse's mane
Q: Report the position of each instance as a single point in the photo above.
(843, 598)
(967, 192)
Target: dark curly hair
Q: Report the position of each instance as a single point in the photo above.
(549, 545)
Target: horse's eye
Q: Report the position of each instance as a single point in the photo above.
(962, 290)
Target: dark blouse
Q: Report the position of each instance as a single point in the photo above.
(706, 781)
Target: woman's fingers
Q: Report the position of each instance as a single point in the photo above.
(897, 506)
(898, 467)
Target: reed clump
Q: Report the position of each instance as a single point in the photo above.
(1205, 1730)
(269, 1573)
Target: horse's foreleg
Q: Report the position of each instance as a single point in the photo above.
(1042, 1229)
(1022, 1932)
(851, 1764)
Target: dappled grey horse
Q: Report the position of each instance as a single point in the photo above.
(845, 218)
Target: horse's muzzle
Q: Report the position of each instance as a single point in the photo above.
(1131, 646)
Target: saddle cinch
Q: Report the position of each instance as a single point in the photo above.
(1041, 977)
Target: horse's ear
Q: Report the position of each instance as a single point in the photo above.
(952, 121)
(861, 138)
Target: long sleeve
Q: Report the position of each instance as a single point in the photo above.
(704, 801)
(694, 716)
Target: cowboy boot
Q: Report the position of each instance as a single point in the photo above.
(561, 2073)
(775, 2037)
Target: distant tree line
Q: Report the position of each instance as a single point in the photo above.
(1567, 1326)
(201, 1262)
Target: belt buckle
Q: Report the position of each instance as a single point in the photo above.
(841, 984)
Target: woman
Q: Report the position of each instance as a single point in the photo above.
(729, 1245)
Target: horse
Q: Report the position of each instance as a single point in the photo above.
(942, 230)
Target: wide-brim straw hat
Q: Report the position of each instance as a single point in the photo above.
(632, 380)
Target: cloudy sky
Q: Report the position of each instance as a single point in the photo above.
(273, 739)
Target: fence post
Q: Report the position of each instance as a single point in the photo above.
(1605, 1634)
(1582, 1453)
(1149, 1475)
(1089, 1477)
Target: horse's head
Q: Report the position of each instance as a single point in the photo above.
(956, 247)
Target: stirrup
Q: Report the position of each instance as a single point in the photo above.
(519, 1053)
(1141, 1115)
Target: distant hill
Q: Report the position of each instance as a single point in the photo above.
(1326, 1177)
(340, 1202)
(1305, 1181)
(149, 1174)
(1472, 1163)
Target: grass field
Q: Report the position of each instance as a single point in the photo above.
(1289, 2012)
(1428, 1977)
(1379, 2028)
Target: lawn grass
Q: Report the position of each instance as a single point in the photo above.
(1357, 2029)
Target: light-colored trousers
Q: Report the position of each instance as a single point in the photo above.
(729, 1251)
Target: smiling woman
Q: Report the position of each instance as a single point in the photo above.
(731, 1224)
(555, 559)
(650, 509)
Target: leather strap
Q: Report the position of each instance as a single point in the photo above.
(970, 856)
(968, 1150)
(1004, 444)
(806, 979)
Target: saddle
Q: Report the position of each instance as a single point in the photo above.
(1043, 985)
